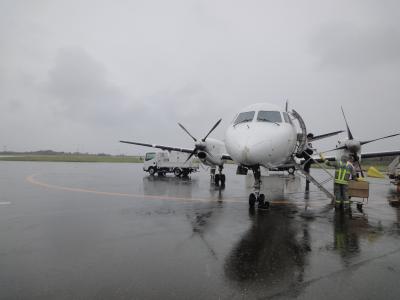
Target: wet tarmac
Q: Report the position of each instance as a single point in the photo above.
(79, 231)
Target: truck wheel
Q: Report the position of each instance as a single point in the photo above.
(152, 171)
(185, 173)
(291, 170)
(177, 172)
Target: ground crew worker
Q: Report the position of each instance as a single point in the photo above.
(343, 170)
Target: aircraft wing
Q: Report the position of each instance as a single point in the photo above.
(363, 155)
(168, 148)
(380, 154)
(326, 135)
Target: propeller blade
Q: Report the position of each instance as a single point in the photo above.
(181, 126)
(212, 129)
(190, 156)
(350, 136)
(287, 105)
(385, 137)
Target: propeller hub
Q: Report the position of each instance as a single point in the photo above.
(353, 146)
(200, 145)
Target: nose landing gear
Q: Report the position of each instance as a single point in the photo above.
(260, 198)
(256, 196)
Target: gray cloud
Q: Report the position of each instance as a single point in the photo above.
(354, 47)
(81, 90)
(87, 73)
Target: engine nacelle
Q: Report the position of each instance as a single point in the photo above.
(208, 159)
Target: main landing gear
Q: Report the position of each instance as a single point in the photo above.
(218, 179)
(256, 196)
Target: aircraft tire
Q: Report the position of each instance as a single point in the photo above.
(216, 179)
(252, 200)
(222, 178)
(291, 170)
(262, 204)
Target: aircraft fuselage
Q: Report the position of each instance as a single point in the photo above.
(261, 134)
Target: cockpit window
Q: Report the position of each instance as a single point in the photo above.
(244, 117)
(269, 116)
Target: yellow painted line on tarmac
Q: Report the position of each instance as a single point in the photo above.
(31, 179)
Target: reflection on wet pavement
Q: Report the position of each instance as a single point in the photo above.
(194, 240)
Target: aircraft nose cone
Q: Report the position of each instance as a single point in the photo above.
(253, 151)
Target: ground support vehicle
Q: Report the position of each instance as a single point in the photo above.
(164, 162)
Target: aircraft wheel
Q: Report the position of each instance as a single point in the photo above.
(262, 203)
(177, 172)
(252, 200)
(291, 170)
(152, 171)
(222, 178)
(216, 179)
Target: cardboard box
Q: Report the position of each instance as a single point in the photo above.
(358, 189)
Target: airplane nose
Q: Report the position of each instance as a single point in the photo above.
(254, 150)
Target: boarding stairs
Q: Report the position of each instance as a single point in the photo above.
(310, 178)
(301, 137)
(301, 147)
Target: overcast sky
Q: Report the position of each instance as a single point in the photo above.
(85, 74)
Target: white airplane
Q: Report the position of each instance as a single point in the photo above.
(260, 135)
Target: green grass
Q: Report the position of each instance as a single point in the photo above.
(74, 158)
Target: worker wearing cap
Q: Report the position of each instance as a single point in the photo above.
(343, 170)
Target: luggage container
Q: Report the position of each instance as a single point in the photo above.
(359, 189)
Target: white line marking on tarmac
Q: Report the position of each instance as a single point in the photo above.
(5, 203)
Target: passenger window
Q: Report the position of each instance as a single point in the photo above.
(269, 116)
(150, 156)
(244, 117)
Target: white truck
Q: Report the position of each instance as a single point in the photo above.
(164, 162)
